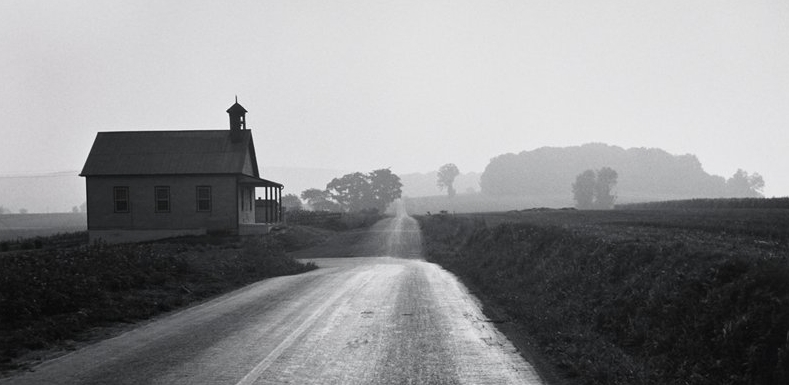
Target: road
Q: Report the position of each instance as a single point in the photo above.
(389, 318)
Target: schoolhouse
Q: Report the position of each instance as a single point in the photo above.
(144, 185)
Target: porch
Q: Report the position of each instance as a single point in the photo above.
(268, 205)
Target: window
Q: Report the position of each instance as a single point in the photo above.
(203, 198)
(162, 194)
(120, 197)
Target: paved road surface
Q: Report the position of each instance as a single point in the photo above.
(372, 320)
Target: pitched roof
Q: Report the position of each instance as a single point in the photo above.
(236, 108)
(170, 153)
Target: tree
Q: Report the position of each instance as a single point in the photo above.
(386, 187)
(4, 210)
(584, 189)
(743, 185)
(351, 191)
(606, 180)
(291, 202)
(593, 190)
(319, 200)
(23, 211)
(446, 177)
(358, 191)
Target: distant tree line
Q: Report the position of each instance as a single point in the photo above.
(4, 210)
(81, 208)
(355, 192)
(550, 171)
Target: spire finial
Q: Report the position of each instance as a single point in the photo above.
(236, 98)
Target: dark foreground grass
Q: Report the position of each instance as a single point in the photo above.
(633, 297)
(49, 297)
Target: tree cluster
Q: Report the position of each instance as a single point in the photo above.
(594, 189)
(356, 192)
(291, 202)
(743, 185)
(446, 178)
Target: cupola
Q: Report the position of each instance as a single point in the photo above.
(237, 117)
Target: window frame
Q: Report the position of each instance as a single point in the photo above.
(116, 200)
(157, 200)
(198, 199)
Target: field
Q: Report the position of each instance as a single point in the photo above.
(682, 296)
(20, 226)
(479, 203)
(64, 291)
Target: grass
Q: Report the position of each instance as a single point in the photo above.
(633, 296)
(52, 295)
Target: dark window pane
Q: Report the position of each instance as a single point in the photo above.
(162, 199)
(121, 199)
(162, 193)
(204, 198)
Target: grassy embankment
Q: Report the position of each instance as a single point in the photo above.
(632, 297)
(54, 294)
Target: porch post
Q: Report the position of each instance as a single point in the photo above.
(279, 205)
(267, 209)
(276, 204)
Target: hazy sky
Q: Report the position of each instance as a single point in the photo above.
(411, 85)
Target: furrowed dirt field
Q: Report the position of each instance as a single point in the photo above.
(631, 296)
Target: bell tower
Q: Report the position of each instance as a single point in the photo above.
(238, 120)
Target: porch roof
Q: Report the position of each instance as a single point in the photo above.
(257, 182)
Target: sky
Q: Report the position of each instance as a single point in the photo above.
(410, 85)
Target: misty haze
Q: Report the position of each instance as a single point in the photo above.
(421, 192)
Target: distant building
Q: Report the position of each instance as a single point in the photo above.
(145, 185)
